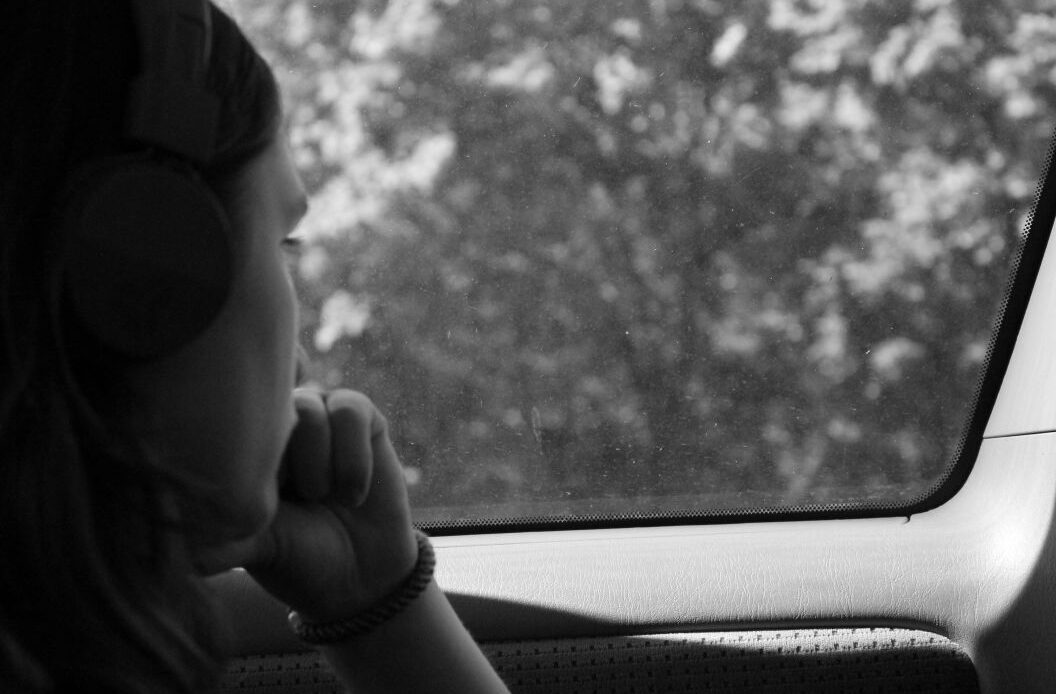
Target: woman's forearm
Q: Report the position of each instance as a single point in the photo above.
(425, 648)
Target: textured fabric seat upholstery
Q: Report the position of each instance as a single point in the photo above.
(800, 660)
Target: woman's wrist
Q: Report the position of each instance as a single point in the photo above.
(424, 649)
(329, 566)
(367, 620)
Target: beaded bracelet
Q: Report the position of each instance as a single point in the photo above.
(377, 614)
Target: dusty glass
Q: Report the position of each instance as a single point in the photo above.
(641, 257)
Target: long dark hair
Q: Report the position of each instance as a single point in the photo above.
(97, 590)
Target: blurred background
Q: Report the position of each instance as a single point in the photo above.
(644, 257)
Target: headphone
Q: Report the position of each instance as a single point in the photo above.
(148, 250)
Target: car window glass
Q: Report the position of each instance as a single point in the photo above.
(634, 259)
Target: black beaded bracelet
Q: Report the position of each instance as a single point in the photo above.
(379, 613)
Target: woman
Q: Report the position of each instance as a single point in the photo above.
(129, 472)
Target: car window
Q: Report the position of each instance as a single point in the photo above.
(616, 261)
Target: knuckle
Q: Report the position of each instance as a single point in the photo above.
(352, 404)
(308, 401)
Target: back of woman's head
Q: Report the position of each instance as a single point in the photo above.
(93, 585)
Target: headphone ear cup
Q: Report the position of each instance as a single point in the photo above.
(148, 256)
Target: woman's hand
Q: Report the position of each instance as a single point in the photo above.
(342, 538)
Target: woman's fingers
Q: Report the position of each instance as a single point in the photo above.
(330, 453)
(353, 422)
(309, 450)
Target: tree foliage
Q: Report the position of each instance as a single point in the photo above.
(643, 256)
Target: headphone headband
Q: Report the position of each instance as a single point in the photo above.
(169, 106)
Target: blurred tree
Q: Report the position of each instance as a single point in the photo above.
(644, 256)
